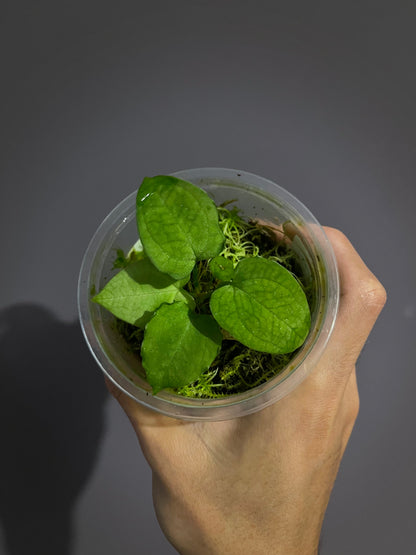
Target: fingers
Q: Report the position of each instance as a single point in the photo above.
(362, 298)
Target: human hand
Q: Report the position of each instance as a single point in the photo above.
(260, 484)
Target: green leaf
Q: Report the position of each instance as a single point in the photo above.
(138, 290)
(222, 268)
(264, 307)
(178, 224)
(178, 346)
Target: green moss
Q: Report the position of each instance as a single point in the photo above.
(121, 260)
(236, 368)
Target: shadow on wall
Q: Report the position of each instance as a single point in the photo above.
(51, 421)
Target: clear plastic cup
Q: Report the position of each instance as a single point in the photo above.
(257, 198)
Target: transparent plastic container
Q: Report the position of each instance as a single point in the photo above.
(257, 198)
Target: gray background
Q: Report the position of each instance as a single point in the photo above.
(318, 96)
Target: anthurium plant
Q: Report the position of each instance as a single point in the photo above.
(212, 303)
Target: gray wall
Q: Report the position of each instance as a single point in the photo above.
(318, 96)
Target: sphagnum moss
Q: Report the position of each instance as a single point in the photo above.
(236, 368)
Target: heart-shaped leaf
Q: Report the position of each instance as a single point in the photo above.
(178, 346)
(264, 307)
(138, 290)
(177, 223)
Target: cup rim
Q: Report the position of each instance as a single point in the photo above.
(237, 404)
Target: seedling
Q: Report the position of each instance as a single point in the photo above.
(207, 296)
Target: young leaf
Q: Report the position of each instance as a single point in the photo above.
(135, 253)
(222, 268)
(178, 346)
(138, 290)
(264, 307)
(178, 224)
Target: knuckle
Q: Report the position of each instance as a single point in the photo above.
(372, 294)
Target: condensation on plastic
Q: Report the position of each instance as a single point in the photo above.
(257, 198)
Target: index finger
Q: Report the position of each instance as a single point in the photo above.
(362, 298)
